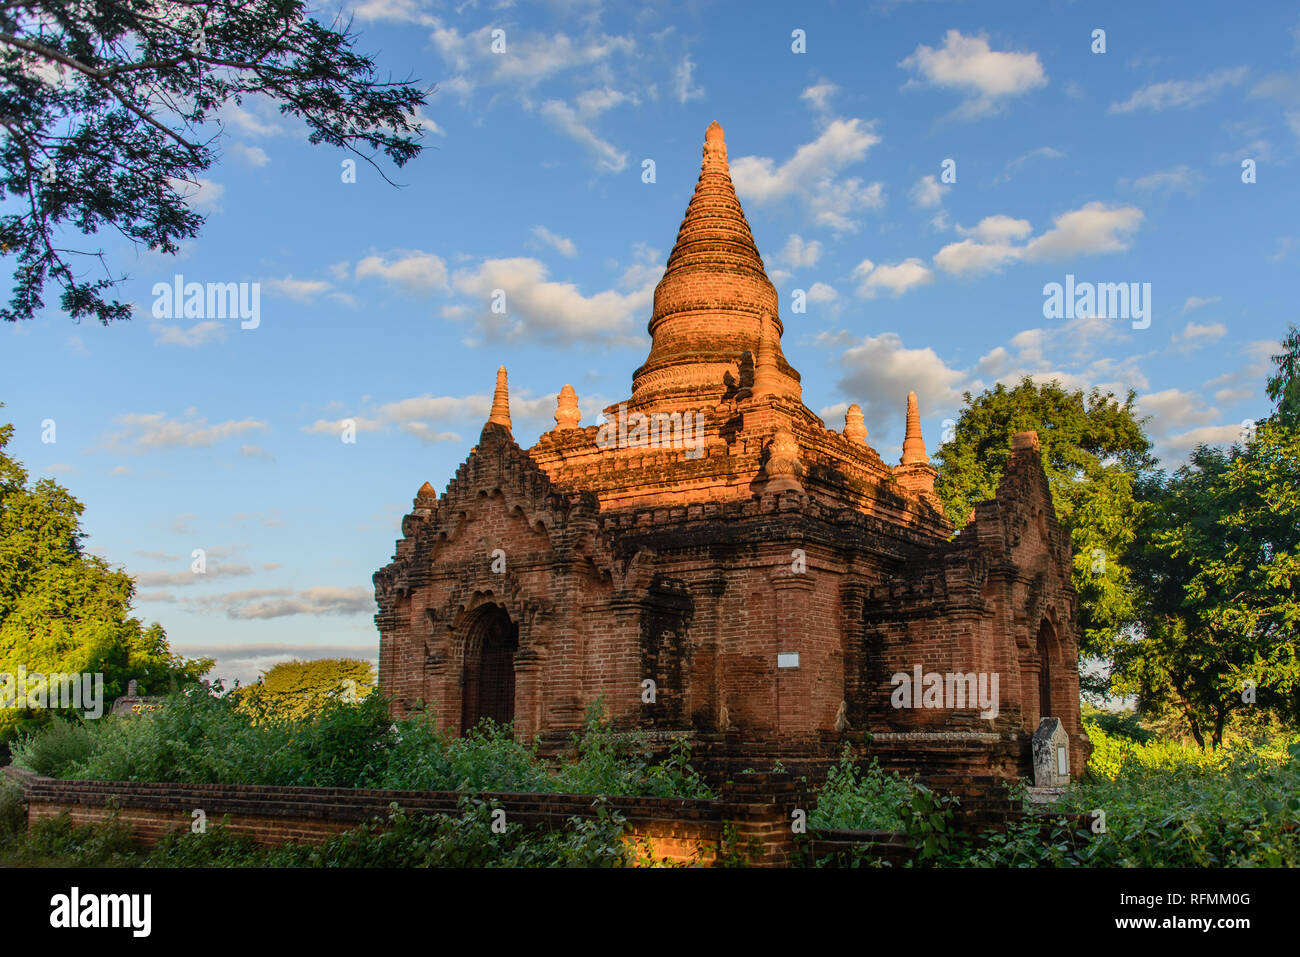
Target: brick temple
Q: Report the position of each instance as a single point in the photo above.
(710, 559)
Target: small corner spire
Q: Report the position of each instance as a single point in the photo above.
(913, 444)
(567, 414)
(501, 401)
(855, 425)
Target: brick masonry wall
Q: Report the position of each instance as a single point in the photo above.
(686, 831)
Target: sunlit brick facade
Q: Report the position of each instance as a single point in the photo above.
(711, 529)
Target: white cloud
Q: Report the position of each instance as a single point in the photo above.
(1196, 302)
(895, 279)
(419, 415)
(190, 577)
(1180, 177)
(576, 124)
(1013, 166)
(879, 371)
(541, 309)
(1181, 93)
(968, 65)
(154, 430)
(257, 117)
(256, 452)
(683, 87)
(564, 246)
(1194, 334)
(820, 292)
(395, 11)
(1094, 229)
(1173, 409)
(798, 253)
(968, 257)
(303, 290)
(998, 229)
(928, 192)
(529, 57)
(819, 95)
(201, 194)
(411, 269)
(188, 337)
(263, 603)
(253, 156)
(810, 174)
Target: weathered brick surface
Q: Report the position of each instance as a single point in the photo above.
(676, 829)
(622, 563)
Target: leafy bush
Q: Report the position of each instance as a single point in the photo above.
(605, 761)
(54, 747)
(861, 799)
(13, 812)
(1165, 805)
(204, 738)
(466, 839)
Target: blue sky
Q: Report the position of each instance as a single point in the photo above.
(1122, 166)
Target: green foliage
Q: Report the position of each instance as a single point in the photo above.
(1093, 451)
(1284, 385)
(57, 842)
(63, 611)
(854, 798)
(610, 762)
(1166, 805)
(201, 736)
(297, 689)
(465, 839)
(13, 812)
(487, 758)
(1125, 724)
(928, 823)
(59, 745)
(736, 851)
(109, 110)
(1129, 750)
(1219, 575)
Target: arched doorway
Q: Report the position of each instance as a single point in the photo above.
(488, 681)
(1044, 670)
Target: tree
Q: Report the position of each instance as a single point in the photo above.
(62, 610)
(1284, 385)
(1093, 451)
(298, 689)
(1219, 575)
(107, 112)
(1219, 578)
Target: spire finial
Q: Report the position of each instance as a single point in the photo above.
(501, 401)
(715, 146)
(913, 444)
(567, 415)
(855, 426)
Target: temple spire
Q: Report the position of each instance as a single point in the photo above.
(712, 302)
(567, 414)
(855, 425)
(913, 444)
(500, 401)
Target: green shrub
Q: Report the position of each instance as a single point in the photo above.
(59, 744)
(13, 811)
(855, 798)
(200, 737)
(605, 761)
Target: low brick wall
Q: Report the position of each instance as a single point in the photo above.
(759, 807)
